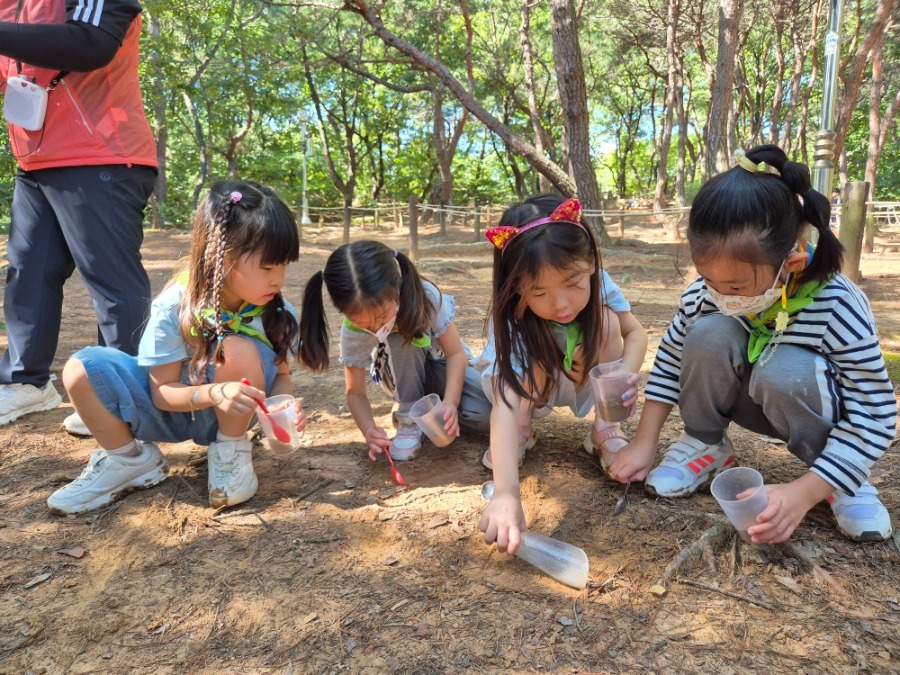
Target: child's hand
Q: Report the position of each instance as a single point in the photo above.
(629, 398)
(633, 462)
(377, 441)
(503, 521)
(787, 507)
(451, 419)
(299, 417)
(235, 398)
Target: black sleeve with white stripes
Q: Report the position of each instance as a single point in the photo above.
(113, 16)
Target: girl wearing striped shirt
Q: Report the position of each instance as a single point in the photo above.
(772, 337)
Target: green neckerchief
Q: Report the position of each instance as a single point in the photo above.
(574, 337)
(422, 341)
(762, 334)
(239, 321)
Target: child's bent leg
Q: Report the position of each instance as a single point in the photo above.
(100, 380)
(242, 360)
(474, 406)
(408, 367)
(109, 430)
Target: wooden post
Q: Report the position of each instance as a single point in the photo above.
(377, 219)
(442, 218)
(398, 218)
(347, 217)
(853, 226)
(413, 228)
(300, 219)
(477, 226)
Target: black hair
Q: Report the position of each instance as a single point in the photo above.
(758, 217)
(520, 335)
(234, 220)
(360, 276)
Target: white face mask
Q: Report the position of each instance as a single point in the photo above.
(746, 305)
(382, 333)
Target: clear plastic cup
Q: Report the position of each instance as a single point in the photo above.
(741, 512)
(608, 382)
(428, 413)
(566, 563)
(281, 410)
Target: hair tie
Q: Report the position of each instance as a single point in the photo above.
(740, 159)
(567, 212)
(235, 197)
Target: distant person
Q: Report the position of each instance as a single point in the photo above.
(835, 209)
(222, 321)
(774, 338)
(84, 178)
(555, 314)
(398, 327)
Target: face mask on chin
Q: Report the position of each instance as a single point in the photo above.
(746, 305)
(382, 333)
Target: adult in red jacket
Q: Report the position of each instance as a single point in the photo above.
(83, 181)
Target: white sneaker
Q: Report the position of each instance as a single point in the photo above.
(231, 476)
(689, 464)
(107, 478)
(407, 441)
(863, 516)
(74, 425)
(20, 399)
(527, 440)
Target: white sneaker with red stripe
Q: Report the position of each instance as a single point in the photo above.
(689, 464)
(861, 517)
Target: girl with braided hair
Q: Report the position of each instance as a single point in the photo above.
(221, 321)
(774, 338)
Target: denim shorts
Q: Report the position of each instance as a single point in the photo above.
(124, 389)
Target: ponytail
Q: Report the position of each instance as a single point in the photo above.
(313, 327)
(416, 312)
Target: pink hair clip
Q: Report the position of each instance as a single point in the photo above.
(236, 196)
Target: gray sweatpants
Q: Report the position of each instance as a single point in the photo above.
(417, 373)
(85, 216)
(792, 397)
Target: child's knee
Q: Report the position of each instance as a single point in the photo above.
(712, 334)
(74, 374)
(240, 354)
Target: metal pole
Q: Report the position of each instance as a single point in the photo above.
(823, 166)
(304, 118)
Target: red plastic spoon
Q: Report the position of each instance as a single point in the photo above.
(396, 474)
(280, 433)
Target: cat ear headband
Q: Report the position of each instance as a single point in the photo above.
(567, 212)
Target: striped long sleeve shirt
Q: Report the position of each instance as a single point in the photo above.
(840, 326)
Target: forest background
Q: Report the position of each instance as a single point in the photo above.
(454, 102)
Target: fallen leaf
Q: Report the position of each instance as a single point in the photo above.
(423, 629)
(75, 551)
(390, 561)
(455, 526)
(309, 618)
(437, 521)
(564, 620)
(384, 515)
(789, 583)
(39, 579)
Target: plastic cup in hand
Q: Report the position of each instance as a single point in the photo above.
(608, 382)
(281, 412)
(428, 413)
(741, 512)
(566, 563)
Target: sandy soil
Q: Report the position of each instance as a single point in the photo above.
(332, 568)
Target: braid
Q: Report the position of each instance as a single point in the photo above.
(215, 253)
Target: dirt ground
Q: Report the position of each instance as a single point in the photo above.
(333, 568)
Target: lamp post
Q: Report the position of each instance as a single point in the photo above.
(304, 118)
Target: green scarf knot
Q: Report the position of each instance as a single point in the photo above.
(238, 322)
(762, 334)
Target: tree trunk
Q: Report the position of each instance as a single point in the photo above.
(721, 97)
(673, 91)
(160, 123)
(538, 160)
(541, 138)
(573, 99)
